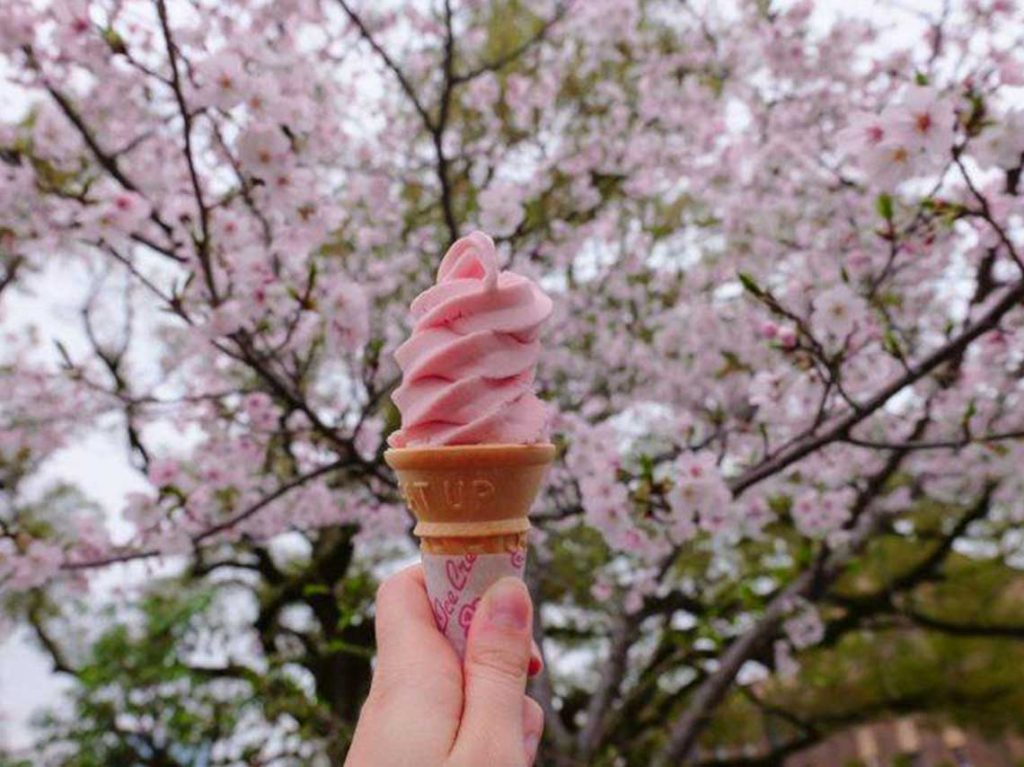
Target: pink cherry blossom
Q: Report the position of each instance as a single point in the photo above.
(260, 409)
(500, 208)
(817, 514)
(1002, 143)
(163, 471)
(264, 151)
(838, 311)
(699, 491)
(38, 563)
(865, 132)
(224, 82)
(924, 122)
(805, 628)
(783, 252)
(786, 667)
(345, 309)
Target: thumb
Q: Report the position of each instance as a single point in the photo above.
(497, 657)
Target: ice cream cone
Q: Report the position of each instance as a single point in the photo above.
(468, 453)
(471, 497)
(471, 504)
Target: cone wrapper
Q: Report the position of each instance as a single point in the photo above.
(471, 504)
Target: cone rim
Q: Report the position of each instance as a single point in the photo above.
(469, 456)
(472, 528)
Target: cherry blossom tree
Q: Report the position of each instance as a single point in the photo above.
(786, 258)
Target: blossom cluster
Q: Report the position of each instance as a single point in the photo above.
(772, 272)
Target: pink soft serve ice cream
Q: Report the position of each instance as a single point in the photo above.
(469, 365)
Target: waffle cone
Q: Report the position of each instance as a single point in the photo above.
(471, 498)
(491, 544)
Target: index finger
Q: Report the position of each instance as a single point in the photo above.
(407, 635)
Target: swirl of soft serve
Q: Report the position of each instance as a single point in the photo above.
(469, 365)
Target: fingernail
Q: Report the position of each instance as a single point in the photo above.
(530, 744)
(535, 656)
(535, 666)
(508, 605)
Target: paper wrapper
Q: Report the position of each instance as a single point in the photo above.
(455, 583)
(471, 504)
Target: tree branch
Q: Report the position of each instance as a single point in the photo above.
(986, 214)
(390, 63)
(810, 584)
(860, 607)
(990, 630)
(203, 250)
(941, 551)
(106, 160)
(10, 273)
(947, 444)
(59, 659)
(540, 685)
(442, 122)
(613, 671)
(840, 428)
(128, 556)
(507, 58)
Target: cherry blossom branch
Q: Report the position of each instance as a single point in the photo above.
(203, 251)
(938, 34)
(113, 361)
(255, 508)
(244, 185)
(986, 214)
(389, 62)
(147, 283)
(437, 132)
(143, 240)
(259, 365)
(259, 506)
(10, 273)
(613, 672)
(58, 657)
(881, 600)
(829, 371)
(505, 59)
(540, 685)
(811, 583)
(996, 630)
(248, 355)
(840, 429)
(105, 159)
(948, 444)
(435, 129)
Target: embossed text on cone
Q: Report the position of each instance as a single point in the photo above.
(471, 504)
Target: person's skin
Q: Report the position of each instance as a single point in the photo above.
(425, 709)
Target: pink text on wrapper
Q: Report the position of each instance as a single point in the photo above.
(455, 584)
(466, 615)
(457, 570)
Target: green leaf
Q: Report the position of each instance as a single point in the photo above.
(750, 284)
(883, 204)
(340, 646)
(114, 40)
(892, 344)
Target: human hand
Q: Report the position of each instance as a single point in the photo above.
(428, 710)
